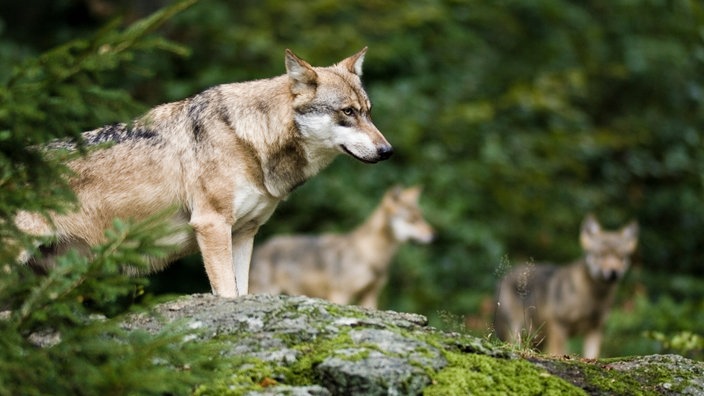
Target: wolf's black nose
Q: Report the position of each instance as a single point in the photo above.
(612, 276)
(385, 152)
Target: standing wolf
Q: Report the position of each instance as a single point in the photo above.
(551, 303)
(224, 158)
(343, 268)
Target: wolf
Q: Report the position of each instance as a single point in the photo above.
(223, 159)
(551, 303)
(343, 268)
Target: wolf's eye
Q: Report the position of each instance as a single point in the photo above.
(348, 111)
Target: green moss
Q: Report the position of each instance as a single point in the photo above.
(473, 374)
(241, 375)
(301, 372)
(246, 375)
(624, 376)
(644, 375)
(611, 381)
(339, 311)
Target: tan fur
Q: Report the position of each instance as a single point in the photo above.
(548, 304)
(343, 268)
(223, 159)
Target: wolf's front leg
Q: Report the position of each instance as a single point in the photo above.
(339, 297)
(556, 338)
(592, 344)
(213, 234)
(241, 258)
(370, 298)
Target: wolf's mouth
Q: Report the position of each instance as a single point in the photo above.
(366, 161)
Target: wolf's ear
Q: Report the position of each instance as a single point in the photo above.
(630, 230)
(590, 228)
(392, 195)
(303, 78)
(412, 194)
(591, 224)
(394, 192)
(354, 62)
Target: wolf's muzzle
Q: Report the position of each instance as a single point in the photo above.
(612, 276)
(384, 152)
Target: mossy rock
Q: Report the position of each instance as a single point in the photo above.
(280, 345)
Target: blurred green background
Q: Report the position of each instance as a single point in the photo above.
(518, 118)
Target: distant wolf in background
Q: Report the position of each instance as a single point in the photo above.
(548, 304)
(223, 159)
(343, 268)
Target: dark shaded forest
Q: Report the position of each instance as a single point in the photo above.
(517, 118)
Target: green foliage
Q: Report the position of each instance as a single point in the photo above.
(644, 325)
(59, 94)
(61, 333)
(84, 352)
(684, 343)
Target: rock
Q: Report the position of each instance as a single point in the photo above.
(387, 364)
(280, 345)
(678, 366)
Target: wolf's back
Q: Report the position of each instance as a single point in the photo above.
(288, 257)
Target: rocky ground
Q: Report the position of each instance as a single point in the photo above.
(279, 345)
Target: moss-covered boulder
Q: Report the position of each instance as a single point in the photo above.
(279, 345)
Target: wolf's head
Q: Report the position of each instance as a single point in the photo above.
(607, 253)
(332, 110)
(404, 215)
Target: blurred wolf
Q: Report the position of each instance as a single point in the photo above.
(549, 304)
(223, 159)
(343, 268)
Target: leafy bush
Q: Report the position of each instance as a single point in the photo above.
(61, 333)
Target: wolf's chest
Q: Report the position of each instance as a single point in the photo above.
(251, 207)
